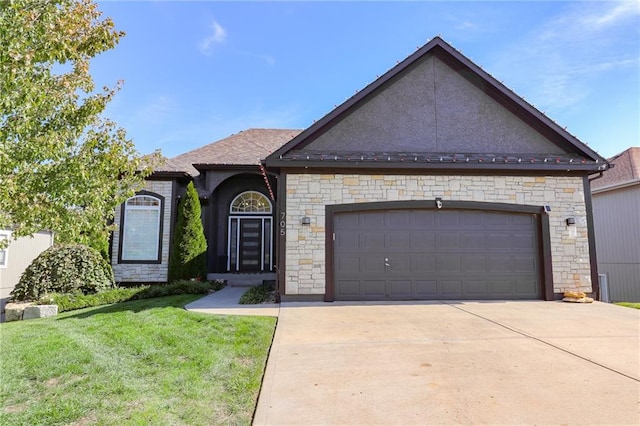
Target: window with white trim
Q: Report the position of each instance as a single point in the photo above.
(250, 202)
(4, 253)
(141, 229)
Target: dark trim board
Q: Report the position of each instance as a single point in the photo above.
(281, 232)
(593, 257)
(330, 169)
(546, 270)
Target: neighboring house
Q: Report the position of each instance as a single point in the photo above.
(17, 256)
(616, 216)
(434, 182)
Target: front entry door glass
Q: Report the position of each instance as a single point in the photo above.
(250, 247)
(250, 244)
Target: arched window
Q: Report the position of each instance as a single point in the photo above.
(250, 202)
(141, 228)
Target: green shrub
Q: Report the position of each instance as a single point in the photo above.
(70, 302)
(70, 268)
(189, 249)
(258, 294)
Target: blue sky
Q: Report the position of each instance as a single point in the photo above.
(196, 72)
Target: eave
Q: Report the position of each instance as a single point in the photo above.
(438, 161)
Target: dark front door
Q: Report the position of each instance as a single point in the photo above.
(433, 254)
(250, 245)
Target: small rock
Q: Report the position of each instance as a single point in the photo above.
(40, 311)
(13, 311)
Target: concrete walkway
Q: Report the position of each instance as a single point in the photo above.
(453, 363)
(225, 302)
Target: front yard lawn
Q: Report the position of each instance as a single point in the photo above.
(635, 305)
(141, 362)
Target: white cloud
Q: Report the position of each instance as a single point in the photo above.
(218, 37)
(155, 112)
(557, 65)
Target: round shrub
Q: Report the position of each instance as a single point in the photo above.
(64, 269)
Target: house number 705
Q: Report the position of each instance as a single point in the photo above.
(283, 223)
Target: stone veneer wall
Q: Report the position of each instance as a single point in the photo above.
(307, 195)
(156, 272)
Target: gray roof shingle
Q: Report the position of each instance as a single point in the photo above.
(626, 169)
(247, 147)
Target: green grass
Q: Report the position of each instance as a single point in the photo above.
(635, 305)
(141, 362)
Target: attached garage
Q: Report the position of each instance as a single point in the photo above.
(434, 182)
(436, 254)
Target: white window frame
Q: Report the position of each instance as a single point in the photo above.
(158, 226)
(250, 196)
(5, 261)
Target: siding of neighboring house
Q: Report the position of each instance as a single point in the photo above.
(617, 230)
(146, 272)
(309, 194)
(20, 254)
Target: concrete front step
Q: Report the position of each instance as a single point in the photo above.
(242, 280)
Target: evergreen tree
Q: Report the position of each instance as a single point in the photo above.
(189, 249)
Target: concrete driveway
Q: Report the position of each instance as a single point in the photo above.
(453, 363)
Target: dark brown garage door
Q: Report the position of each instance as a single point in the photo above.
(436, 255)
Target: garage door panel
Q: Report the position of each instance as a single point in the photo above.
(375, 219)
(423, 240)
(374, 264)
(500, 263)
(373, 240)
(447, 241)
(426, 289)
(436, 254)
(348, 264)
(476, 288)
(496, 220)
(502, 287)
(523, 220)
(348, 288)
(401, 240)
(525, 264)
(498, 241)
(399, 263)
(424, 219)
(474, 241)
(448, 263)
(523, 241)
(399, 289)
(474, 263)
(346, 221)
(375, 288)
(398, 219)
(451, 288)
(525, 286)
(447, 218)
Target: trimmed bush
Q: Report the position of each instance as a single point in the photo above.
(263, 293)
(189, 249)
(72, 268)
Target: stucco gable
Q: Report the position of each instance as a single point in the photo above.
(432, 108)
(436, 101)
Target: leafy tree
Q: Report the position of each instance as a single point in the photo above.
(189, 249)
(63, 166)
